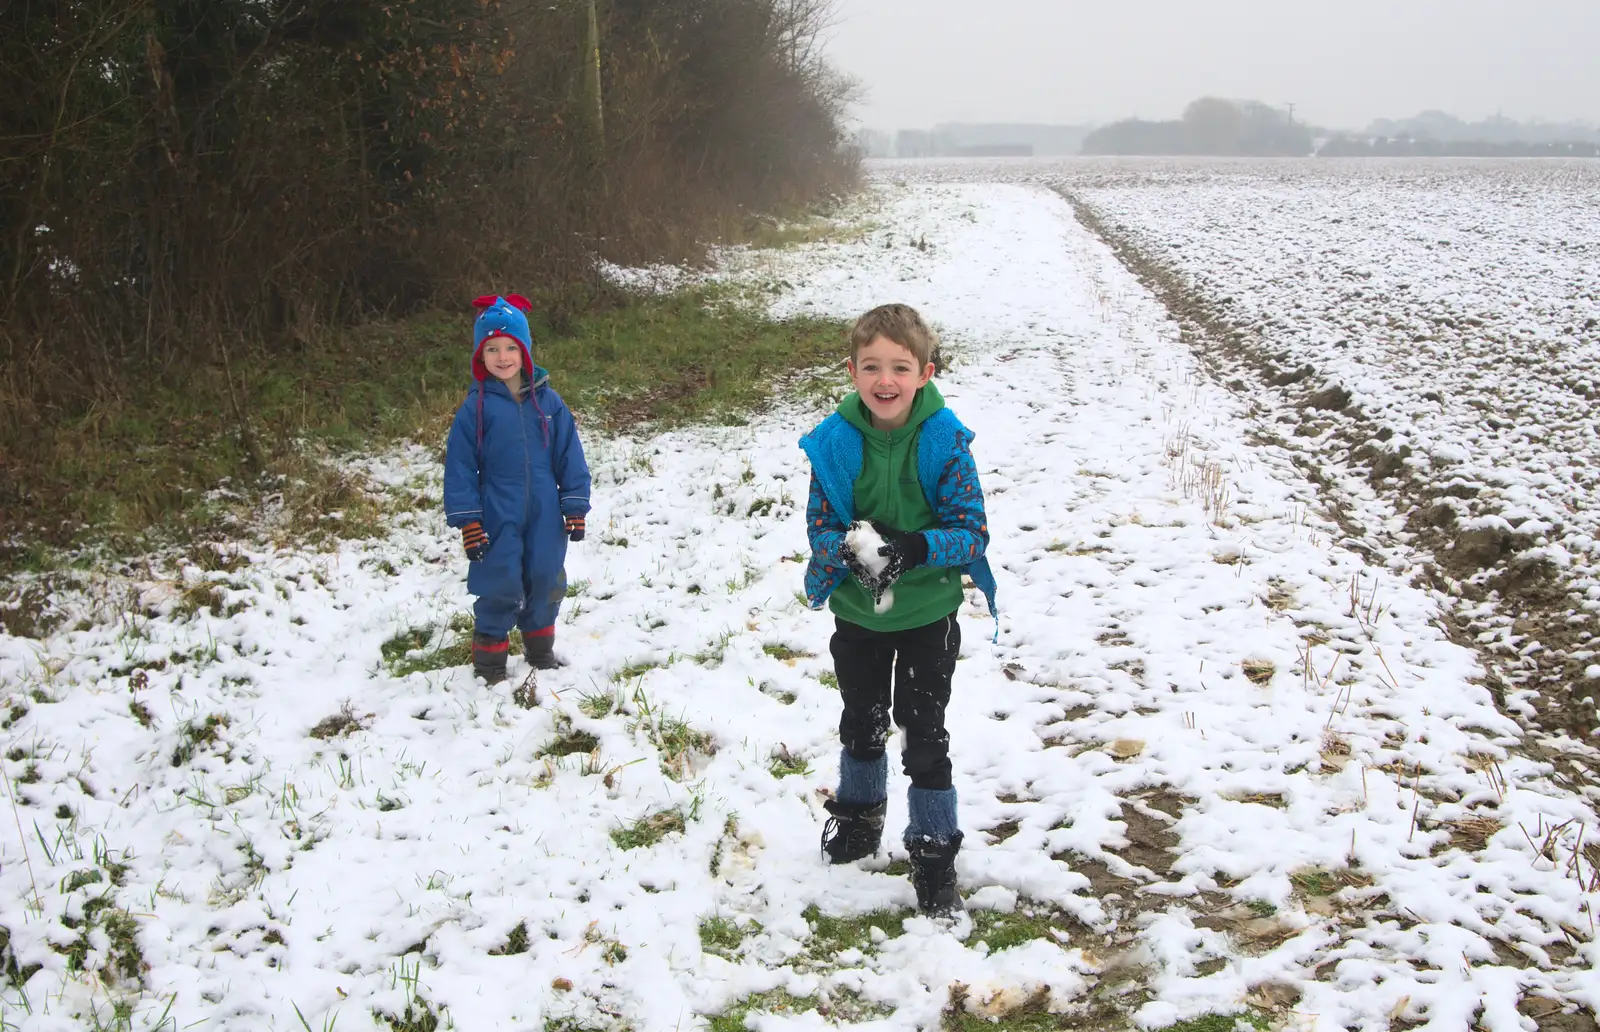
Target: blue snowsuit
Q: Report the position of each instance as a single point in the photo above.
(517, 467)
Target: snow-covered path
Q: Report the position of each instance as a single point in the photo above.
(1229, 762)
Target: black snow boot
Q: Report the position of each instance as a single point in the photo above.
(933, 874)
(541, 652)
(853, 831)
(489, 657)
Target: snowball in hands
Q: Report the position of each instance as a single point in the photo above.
(865, 542)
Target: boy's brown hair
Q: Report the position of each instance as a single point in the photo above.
(901, 324)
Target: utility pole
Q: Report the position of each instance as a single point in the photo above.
(593, 70)
(1291, 113)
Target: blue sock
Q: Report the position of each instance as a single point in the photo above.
(863, 781)
(933, 814)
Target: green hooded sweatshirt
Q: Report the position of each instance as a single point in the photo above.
(888, 491)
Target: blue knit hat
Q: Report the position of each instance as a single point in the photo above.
(501, 317)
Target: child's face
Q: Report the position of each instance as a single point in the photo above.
(502, 356)
(888, 377)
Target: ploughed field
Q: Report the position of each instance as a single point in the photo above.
(1424, 333)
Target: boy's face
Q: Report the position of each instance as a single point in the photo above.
(888, 377)
(502, 356)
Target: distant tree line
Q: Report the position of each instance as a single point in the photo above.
(1209, 126)
(181, 176)
(1440, 125)
(1412, 147)
(1214, 126)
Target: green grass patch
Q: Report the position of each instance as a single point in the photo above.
(647, 831)
(784, 653)
(16, 713)
(1220, 1023)
(419, 1016)
(570, 741)
(696, 356)
(673, 736)
(422, 649)
(635, 670)
(769, 233)
(1317, 881)
(722, 935)
(141, 468)
(773, 1001)
(730, 832)
(123, 962)
(10, 970)
(516, 942)
(595, 705)
(1028, 922)
(194, 736)
(677, 742)
(715, 650)
(784, 764)
(830, 935)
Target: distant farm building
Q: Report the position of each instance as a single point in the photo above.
(995, 150)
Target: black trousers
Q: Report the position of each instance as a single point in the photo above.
(908, 671)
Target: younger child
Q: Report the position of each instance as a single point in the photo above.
(895, 457)
(517, 487)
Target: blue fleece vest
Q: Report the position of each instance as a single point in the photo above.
(837, 451)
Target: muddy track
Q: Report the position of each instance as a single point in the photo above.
(1545, 666)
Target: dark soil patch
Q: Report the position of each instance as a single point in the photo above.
(342, 723)
(1002, 831)
(1151, 842)
(1102, 883)
(1170, 803)
(1549, 1016)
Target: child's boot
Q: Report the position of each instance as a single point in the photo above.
(489, 657)
(933, 842)
(855, 826)
(933, 875)
(540, 649)
(853, 831)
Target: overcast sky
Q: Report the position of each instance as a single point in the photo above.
(1341, 62)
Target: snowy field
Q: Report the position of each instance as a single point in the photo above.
(1215, 763)
(1456, 304)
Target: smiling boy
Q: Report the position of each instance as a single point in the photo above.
(894, 456)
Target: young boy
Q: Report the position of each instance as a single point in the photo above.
(516, 485)
(895, 458)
